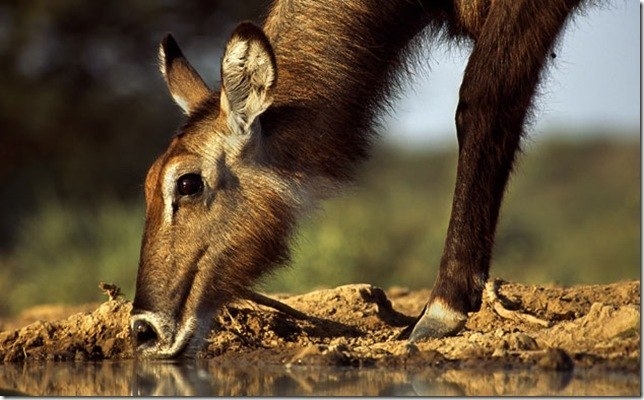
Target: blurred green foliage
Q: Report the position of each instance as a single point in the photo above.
(572, 215)
(63, 251)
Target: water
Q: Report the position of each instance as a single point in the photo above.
(210, 378)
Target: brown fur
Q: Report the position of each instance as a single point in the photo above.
(337, 63)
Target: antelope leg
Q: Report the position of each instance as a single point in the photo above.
(275, 304)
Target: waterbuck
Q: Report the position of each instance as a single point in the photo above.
(290, 123)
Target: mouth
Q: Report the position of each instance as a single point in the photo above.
(157, 336)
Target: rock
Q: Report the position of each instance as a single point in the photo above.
(521, 341)
(557, 360)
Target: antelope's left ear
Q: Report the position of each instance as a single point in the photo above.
(186, 86)
(248, 76)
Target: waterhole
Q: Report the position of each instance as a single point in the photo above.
(208, 378)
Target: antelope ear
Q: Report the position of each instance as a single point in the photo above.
(248, 76)
(186, 86)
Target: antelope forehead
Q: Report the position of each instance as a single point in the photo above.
(152, 178)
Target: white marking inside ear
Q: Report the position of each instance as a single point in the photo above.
(162, 61)
(236, 53)
(182, 103)
(260, 61)
(248, 74)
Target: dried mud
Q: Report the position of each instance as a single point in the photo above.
(590, 328)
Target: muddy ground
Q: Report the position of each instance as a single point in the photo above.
(580, 327)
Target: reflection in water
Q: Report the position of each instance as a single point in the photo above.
(210, 378)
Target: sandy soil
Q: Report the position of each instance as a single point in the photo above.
(357, 325)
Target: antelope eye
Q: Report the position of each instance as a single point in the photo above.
(189, 184)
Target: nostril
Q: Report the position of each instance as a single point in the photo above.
(144, 333)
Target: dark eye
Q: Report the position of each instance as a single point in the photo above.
(189, 184)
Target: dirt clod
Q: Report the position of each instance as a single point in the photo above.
(111, 290)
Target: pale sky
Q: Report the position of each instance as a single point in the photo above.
(595, 82)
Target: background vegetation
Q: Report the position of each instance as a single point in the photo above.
(572, 215)
(83, 112)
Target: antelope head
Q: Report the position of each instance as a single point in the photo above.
(217, 216)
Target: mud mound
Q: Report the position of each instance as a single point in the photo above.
(97, 335)
(358, 325)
